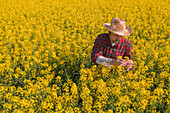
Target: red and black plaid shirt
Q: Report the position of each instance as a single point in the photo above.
(102, 46)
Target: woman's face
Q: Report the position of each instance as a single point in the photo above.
(114, 38)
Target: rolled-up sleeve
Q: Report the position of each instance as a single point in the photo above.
(104, 61)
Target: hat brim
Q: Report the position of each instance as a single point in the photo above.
(126, 32)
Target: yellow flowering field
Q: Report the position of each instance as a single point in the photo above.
(45, 65)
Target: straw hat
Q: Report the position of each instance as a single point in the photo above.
(118, 26)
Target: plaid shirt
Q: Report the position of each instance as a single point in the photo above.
(103, 47)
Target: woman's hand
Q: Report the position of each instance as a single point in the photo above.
(129, 64)
(118, 62)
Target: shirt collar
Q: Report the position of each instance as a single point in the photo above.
(113, 44)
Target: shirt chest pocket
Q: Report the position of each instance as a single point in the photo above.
(110, 52)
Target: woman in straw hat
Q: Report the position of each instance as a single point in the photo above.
(108, 46)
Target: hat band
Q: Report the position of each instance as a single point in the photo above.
(117, 30)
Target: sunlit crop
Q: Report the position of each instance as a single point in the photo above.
(45, 49)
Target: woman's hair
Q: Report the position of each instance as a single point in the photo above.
(109, 32)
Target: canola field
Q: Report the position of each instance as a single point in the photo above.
(45, 50)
